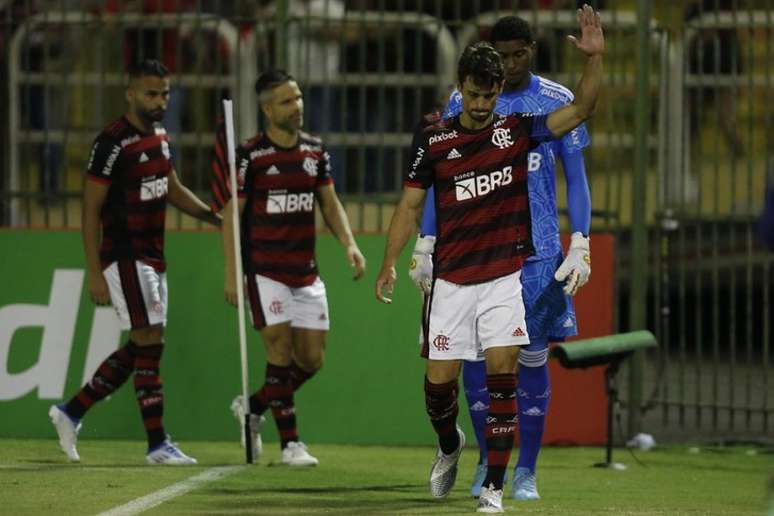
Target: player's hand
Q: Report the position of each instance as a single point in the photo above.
(230, 290)
(356, 260)
(575, 270)
(592, 40)
(421, 266)
(98, 288)
(385, 282)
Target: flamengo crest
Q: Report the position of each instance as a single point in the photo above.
(502, 138)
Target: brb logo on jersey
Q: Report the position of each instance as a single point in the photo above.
(469, 186)
(152, 188)
(279, 201)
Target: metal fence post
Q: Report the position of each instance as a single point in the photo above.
(639, 246)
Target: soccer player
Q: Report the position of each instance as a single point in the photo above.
(550, 314)
(130, 177)
(478, 163)
(283, 173)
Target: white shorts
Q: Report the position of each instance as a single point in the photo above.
(138, 293)
(273, 302)
(464, 320)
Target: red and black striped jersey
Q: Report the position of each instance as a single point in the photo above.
(136, 166)
(278, 222)
(481, 202)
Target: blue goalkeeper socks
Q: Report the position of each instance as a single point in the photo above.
(533, 395)
(474, 381)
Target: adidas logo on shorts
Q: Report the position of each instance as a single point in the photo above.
(518, 332)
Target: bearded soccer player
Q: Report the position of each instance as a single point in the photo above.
(283, 173)
(478, 163)
(548, 280)
(130, 178)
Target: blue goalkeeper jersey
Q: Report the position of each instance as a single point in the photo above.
(540, 97)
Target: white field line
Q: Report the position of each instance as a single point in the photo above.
(146, 502)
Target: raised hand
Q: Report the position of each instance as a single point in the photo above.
(592, 40)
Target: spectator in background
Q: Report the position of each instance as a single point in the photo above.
(714, 55)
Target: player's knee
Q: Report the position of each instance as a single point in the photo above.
(310, 362)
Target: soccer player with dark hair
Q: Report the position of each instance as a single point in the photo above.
(283, 173)
(550, 313)
(130, 177)
(478, 163)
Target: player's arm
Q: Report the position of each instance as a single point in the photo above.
(592, 44)
(229, 258)
(187, 202)
(402, 226)
(575, 270)
(336, 219)
(94, 195)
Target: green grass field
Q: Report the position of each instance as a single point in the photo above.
(36, 479)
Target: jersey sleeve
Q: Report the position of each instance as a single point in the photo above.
(325, 168)
(103, 159)
(574, 141)
(428, 214)
(539, 132)
(420, 170)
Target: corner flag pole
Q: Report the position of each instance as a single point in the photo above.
(228, 111)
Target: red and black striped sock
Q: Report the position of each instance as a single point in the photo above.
(441, 405)
(150, 397)
(500, 426)
(110, 375)
(259, 402)
(278, 393)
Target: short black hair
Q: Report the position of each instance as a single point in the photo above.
(509, 28)
(148, 68)
(482, 63)
(270, 79)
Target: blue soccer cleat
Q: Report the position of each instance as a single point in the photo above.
(524, 485)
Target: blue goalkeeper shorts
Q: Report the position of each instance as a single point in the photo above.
(550, 313)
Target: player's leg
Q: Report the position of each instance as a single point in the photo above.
(109, 376)
(145, 296)
(534, 392)
(310, 324)
(449, 337)
(549, 313)
(474, 382)
(502, 330)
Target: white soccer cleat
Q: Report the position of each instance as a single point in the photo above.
(490, 500)
(443, 473)
(67, 431)
(524, 485)
(256, 424)
(168, 454)
(296, 454)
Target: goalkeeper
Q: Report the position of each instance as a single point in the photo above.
(549, 280)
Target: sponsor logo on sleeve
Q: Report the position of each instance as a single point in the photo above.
(111, 161)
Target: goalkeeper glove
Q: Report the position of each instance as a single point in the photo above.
(421, 267)
(576, 267)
